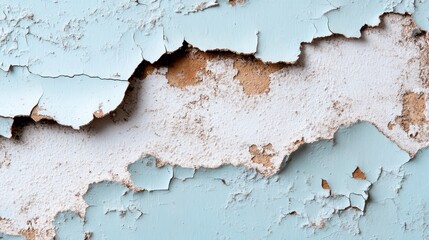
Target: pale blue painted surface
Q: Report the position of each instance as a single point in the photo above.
(69, 226)
(6, 126)
(10, 237)
(106, 40)
(69, 101)
(237, 203)
(146, 175)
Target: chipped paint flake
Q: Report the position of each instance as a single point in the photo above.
(6, 127)
(358, 174)
(146, 175)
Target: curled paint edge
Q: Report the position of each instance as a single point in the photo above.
(99, 114)
(129, 184)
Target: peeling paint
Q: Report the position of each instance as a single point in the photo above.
(71, 62)
(147, 176)
(214, 122)
(6, 127)
(10, 237)
(290, 204)
(187, 70)
(38, 97)
(358, 174)
(108, 40)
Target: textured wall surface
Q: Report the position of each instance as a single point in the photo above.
(218, 119)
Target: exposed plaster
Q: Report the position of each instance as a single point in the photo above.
(254, 75)
(225, 202)
(211, 122)
(358, 174)
(187, 69)
(262, 155)
(413, 117)
(106, 41)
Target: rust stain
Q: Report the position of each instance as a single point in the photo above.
(358, 174)
(325, 185)
(188, 66)
(38, 117)
(262, 156)
(413, 111)
(235, 2)
(254, 75)
(390, 125)
(29, 233)
(186, 70)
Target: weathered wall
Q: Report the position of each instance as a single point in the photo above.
(213, 119)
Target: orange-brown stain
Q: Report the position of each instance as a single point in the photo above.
(358, 174)
(413, 111)
(325, 185)
(263, 156)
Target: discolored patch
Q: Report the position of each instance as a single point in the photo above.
(99, 113)
(412, 33)
(38, 117)
(358, 174)
(187, 69)
(29, 233)
(235, 2)
(254, 75)
(424, 60)
(325, 185)
(413, 111)
(390, 125)
(262, 156)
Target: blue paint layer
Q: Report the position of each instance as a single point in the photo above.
(238, 203)
(106, 40)
(6, 126)
(10, 237)
(146, 175)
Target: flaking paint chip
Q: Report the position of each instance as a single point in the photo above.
(358, 174)
(325, 185)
